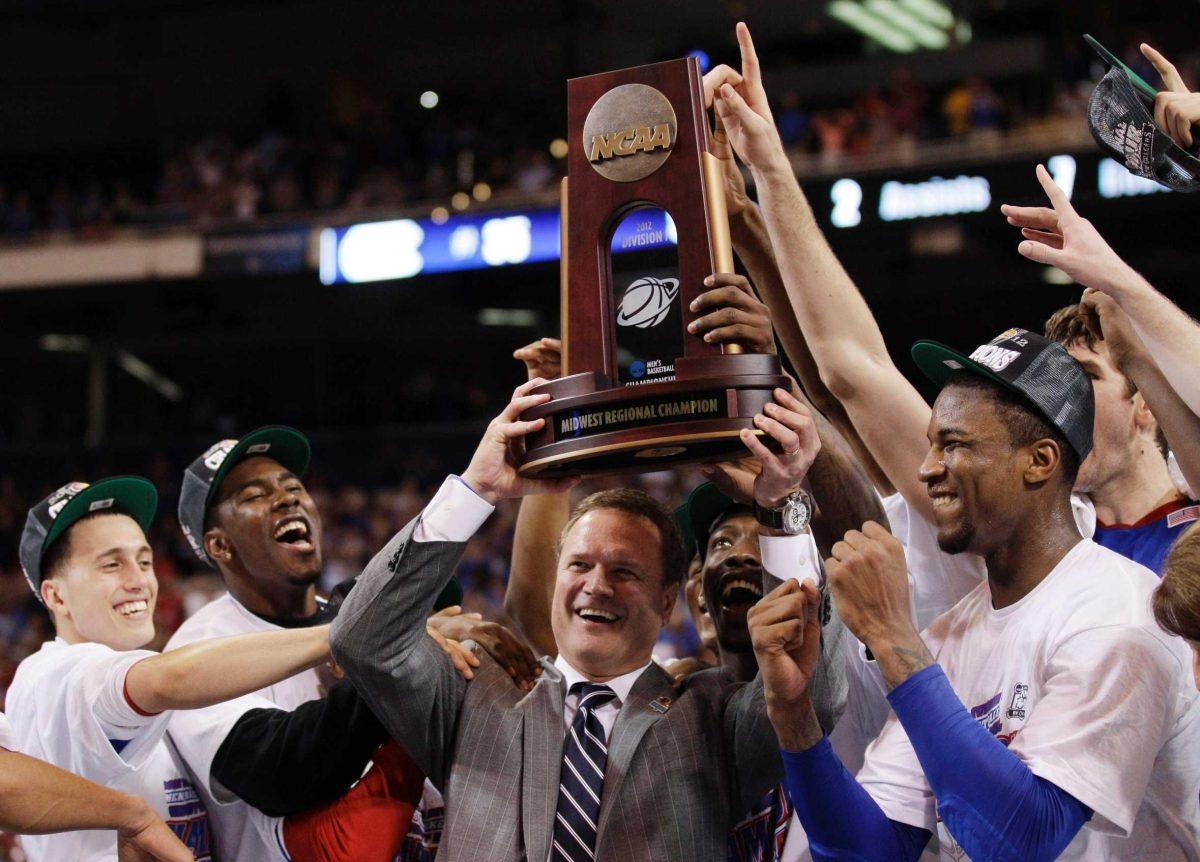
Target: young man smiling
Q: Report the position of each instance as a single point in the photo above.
(1045, 716)
(303, 741)
(92, 701)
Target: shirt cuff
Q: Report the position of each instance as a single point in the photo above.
(454, 514)
(792, 557)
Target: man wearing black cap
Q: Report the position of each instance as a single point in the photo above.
(244, 509)
(1045, 716)
(93, 700)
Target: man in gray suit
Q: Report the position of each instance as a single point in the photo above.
(606, 758)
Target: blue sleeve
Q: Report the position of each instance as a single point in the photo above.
(839, 817)
(990, 801)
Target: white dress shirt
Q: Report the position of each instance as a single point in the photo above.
(607, 714)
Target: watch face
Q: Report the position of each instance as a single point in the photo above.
(796, 515)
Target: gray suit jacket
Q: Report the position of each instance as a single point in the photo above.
(685, 762)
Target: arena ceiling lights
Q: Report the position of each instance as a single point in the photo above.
(903, 26)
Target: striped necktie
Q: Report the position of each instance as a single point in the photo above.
(585, 752)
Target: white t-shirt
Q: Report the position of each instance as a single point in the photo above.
(67, 706)
(1082, 685)
(6, 735)
(242, 832)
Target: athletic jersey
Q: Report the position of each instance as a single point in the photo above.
(1149, 540)
(67, 706)
(1082, 685)
(243, 833)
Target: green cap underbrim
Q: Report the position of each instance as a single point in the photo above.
(1113, 60)
(938, 362)
(288, 447)
(131, 495)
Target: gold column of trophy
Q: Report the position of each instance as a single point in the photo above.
(638, 392)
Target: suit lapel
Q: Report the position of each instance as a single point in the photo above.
(648, 701)
(542, 743)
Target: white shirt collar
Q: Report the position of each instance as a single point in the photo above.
(621, 685)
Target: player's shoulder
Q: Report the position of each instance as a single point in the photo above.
(219, 618)
(1099, 578)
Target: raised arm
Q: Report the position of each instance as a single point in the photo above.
(380, 638)
(37, 798)
(752, 242)
(888, 413)
(540, 520)
(207, 672)
(1059, 236)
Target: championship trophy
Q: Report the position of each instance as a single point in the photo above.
(639, 392)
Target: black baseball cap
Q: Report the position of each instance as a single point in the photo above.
(53, 516)
(1121, 120)
(1036, 368)
(203, 476)
(705, 506)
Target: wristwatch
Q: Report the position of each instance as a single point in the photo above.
(791, 518)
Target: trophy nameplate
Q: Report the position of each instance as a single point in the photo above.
(639, 392)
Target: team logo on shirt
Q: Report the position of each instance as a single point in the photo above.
(188, 818)
(988, 714)
(1018, 701)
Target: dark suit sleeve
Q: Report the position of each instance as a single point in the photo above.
(749, 734)
(286, 762)
(379, 639)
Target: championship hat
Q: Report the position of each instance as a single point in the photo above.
(204, 475)
(1121, 119)
(1034, 367)
(53, 516)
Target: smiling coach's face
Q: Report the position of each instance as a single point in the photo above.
(609, 599)
(265, 521)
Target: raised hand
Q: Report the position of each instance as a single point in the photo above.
(492, 473)
(741, 105)
(1059, 236)
(542, 358)
(785, 629)
(1176, 109)
(790, 424)
(734, 313)
(737, 200)
(449, 628)
(1108, 322)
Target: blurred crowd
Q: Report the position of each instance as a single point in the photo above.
(379, 156)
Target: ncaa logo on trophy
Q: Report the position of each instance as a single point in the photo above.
(638, 392)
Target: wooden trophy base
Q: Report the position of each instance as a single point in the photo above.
(593, 428)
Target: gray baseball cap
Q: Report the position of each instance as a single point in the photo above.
(53, 516)
(1036, 368)
(203, 476)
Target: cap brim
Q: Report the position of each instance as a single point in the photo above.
(1112, 60)
(130, 495)
(704, 505)
(282, 444)
(938, 362)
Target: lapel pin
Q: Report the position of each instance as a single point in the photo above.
(661, 705)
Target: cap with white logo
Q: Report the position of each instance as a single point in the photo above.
(1040, 370)
(49, 519)
(203, 477)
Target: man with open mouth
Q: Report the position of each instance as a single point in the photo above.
(302, 742)
(93, 700)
